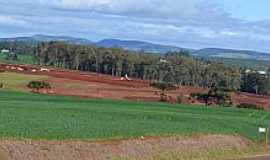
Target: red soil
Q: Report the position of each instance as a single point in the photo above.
(93, 85)
(259, 100)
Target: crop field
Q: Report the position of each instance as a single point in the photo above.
(24, 115)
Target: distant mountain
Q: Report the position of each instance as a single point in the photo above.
(137, 46)
(148, 47)
(231, 53)
(46, 38)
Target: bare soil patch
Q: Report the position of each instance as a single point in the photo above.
(141, 149)
(93, 85)
(259, 100)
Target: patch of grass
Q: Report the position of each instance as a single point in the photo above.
(249, 63)
(16, 81)
(22, 59)
(24, 115)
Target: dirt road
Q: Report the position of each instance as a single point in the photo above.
(263, 157)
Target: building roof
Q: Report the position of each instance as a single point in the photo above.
(5, 51)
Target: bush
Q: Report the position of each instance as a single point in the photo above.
(39, 85)
(163, 85)
(201, 97)
(163, 98)
(180, 99)
(1, 85)
(249, 106)
(217, 97)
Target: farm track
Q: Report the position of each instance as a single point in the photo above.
(259, 157)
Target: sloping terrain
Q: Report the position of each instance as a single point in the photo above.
(136, 45)
(54, 127)
(92, 85)
(85, 84)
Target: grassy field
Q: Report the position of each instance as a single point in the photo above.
(22, 59)
(24, 115)
(17, 82)
(248, 63)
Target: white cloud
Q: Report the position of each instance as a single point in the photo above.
(196, 23)
(10, 20)
(147, 8)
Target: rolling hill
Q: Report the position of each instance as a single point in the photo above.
(137, 46)
(230, 53)
(148, 47)
(46, 38)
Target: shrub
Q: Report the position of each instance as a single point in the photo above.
(163, 97)
(249, 106)
(37, 85)
(201, 97)
(214, 96)
(1, 85)
(163, 86)
(180, 99)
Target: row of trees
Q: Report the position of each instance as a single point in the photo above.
(255, 82)
(19, 46)
(175, 67)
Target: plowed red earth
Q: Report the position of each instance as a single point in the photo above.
(92, 85)
(259, 100)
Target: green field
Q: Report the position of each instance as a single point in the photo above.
(248, 63)
(22, 59)
(24, 115)
(16, 81)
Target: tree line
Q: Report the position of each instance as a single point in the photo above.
(174, 67)
(255, 82)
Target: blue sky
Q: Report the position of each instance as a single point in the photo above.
(239, 24)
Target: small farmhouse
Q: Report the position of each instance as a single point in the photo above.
(5, 51)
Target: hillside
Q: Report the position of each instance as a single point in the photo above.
(137, 46)
(46, 38)
(230, 53)
(146, 47)
(42, 126)
(112, 119)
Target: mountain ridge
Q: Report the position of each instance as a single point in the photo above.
(137, 45)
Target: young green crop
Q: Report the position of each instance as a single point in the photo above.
(32, 116)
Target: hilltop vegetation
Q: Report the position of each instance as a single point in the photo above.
(259, 65)
(174, 67)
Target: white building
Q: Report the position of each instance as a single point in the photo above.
(5, 51)
(262, 72)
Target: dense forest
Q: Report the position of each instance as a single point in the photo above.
(174, 67)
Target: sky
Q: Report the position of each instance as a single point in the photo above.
(235, 24)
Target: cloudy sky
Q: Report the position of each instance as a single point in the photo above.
(239, 24)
